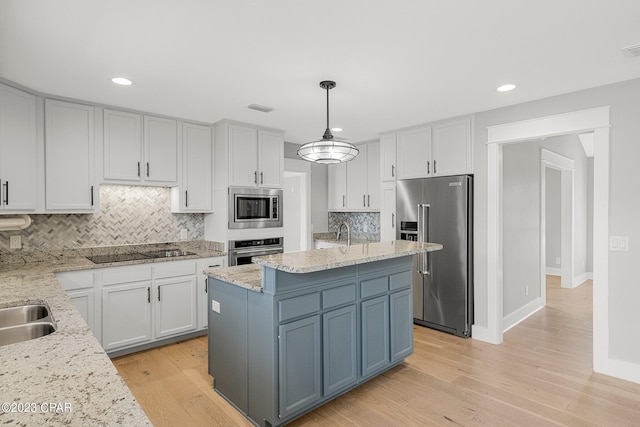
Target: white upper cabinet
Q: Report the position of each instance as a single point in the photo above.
(18, 151)
(388, 165)
(270, 158)
(355, 185)
(195, 193)
(388, 212)
(69, 157)
(451, 147)
(140, 149)
(337, 187)
(256, 157)
(440, 149)
(414, 153)
(160, 150)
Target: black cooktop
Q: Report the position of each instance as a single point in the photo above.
(134, 256)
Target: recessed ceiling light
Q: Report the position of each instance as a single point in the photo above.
(261, 108)
(122, 81)
(506, 88)
(336, 129)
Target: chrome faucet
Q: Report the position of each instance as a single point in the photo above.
(339, 232)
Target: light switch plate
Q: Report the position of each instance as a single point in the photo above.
(215, 306)
(619, 243)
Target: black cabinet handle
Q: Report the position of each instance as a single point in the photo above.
(158, 293)
(206, 286)
(368, 200)
(261, 179)
(92, 195)
(186, 198)
(434, 167)
(149, 294)
(255, 177)
(393, 171)
(6, 192)
(138, 168)
(147, 169)
(428, 167)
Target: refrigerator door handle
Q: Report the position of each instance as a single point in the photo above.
(423, 236)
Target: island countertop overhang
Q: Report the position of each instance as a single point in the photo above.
(250, 276)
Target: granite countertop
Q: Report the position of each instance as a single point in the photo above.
(250, 276)
(69, 367)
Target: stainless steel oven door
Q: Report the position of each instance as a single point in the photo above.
(243, 256)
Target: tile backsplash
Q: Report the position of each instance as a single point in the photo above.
(128, 215)
(360, 222)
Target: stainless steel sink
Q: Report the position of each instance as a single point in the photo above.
(25, 322)
(26, 332)
(21, 314)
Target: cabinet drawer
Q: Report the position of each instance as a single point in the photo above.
(337, 296)
(373, 287)
(174, 269)
(400, 280)
(298, 306)
(116, 275)
(76, 279)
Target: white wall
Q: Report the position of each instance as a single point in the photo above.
(552, 218)
(624, 292)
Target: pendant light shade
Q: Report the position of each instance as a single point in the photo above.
(328, 150)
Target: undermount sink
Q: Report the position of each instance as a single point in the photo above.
(25, 322)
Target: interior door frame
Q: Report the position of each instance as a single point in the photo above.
(591, 120)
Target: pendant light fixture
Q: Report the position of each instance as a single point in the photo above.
(328, 150)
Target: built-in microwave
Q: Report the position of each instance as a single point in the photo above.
(255, 207)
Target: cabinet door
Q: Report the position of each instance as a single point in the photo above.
(197, 169)
(18, 150)
(339, 343)
(401, 325)
(357, 181)
(243, 156)
(337, 187)
(373, 176)
(126, 315)
(175, 308)
(122, 146)
(375, 334)
(69, 157)
(388, 168)
(451, 148)
(160, 150)
(299, 365)
(270, 159)
(388, 212)
(203, 289)
(414, 153)
(84, 301)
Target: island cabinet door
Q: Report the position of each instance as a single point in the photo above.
(299, 365)
(339, 347)
(375, 335)
(401, 325)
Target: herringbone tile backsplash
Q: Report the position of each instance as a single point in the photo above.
(128, 215)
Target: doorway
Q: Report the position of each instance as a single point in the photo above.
(596, 120)
(296, 214)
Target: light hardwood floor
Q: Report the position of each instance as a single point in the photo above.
(541, 375)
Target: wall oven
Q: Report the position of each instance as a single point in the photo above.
(255, 207)
(241, 251)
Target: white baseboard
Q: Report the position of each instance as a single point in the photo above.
(482, 333)
(622, 369)
(553, 271)
(522, 313)
(579, 280)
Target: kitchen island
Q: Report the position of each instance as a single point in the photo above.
(293, 331)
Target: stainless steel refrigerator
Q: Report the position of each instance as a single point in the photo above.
(440, 210)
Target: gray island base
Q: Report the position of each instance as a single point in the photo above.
(296, 331)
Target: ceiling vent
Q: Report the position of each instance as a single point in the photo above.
(631, 51)
(261, 108)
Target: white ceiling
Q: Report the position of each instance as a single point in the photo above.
(396, 62)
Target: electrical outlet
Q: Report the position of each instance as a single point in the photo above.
(184, 234)
(215, 306)
(15, 242)
(557, 261)
(526, 291)
(365, 227)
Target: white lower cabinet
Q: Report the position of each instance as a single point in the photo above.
(175, 306)
(80, 289)
(203, 288)
(126, 311)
